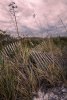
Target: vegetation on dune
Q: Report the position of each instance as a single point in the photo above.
(23, 71)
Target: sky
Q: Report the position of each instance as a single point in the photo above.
(35, 17)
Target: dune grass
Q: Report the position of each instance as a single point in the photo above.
(20, 79)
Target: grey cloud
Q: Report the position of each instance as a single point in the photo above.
(43, 31)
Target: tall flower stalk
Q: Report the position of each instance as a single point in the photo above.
(12, 8)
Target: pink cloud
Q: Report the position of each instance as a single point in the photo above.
(41, 8)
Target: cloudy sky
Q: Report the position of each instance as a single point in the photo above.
(35, 17)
